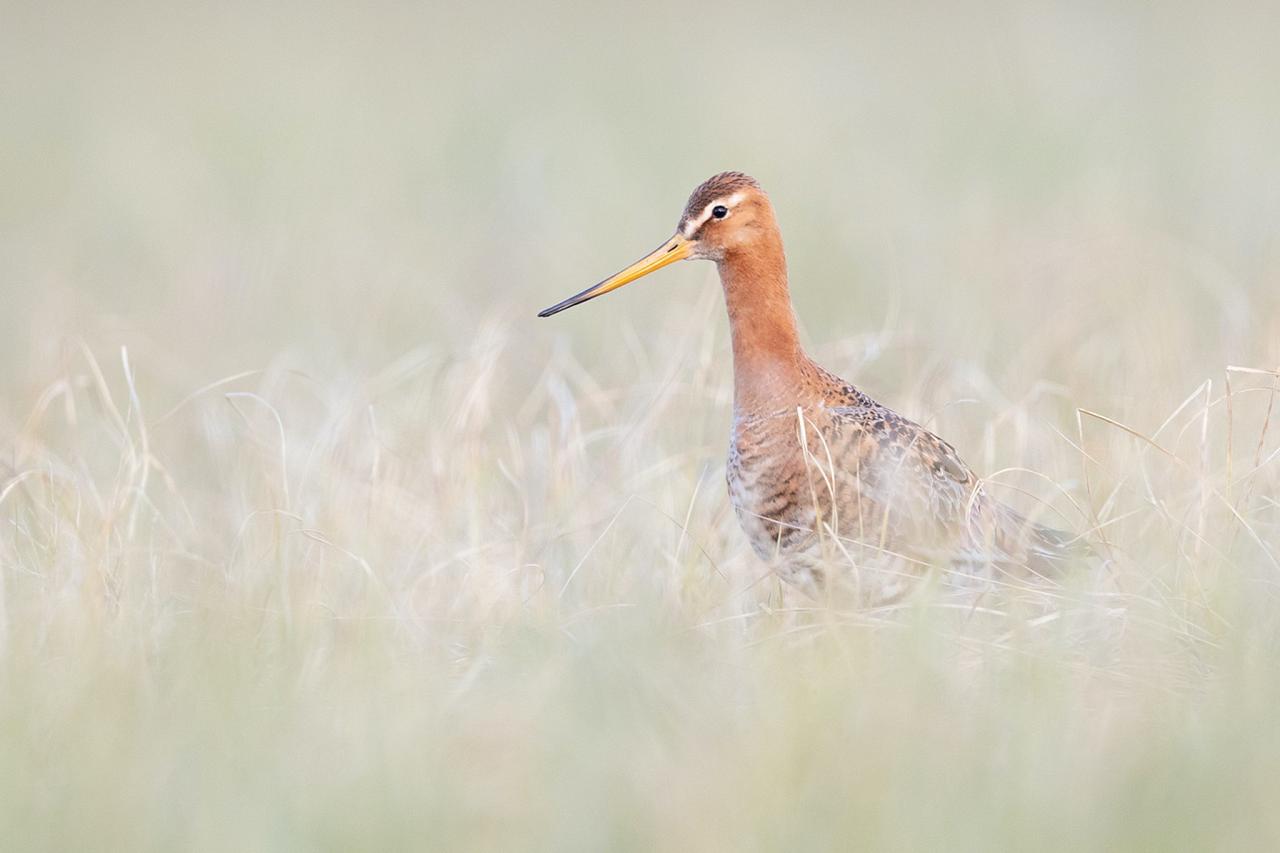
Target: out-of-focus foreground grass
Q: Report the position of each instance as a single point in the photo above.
(312, 537)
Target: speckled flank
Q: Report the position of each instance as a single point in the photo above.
(841, 464)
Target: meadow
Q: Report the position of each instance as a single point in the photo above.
(313, 537)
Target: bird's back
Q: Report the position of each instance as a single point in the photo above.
(840, 479)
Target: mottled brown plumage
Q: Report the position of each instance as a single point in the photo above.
(821, 475)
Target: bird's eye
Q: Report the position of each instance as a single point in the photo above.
(719, 211)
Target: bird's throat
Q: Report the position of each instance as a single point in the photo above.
(767, 358)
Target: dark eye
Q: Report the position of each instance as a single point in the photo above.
(719, 211)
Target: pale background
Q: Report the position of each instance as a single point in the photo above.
(408, 567)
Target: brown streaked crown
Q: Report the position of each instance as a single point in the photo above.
(717, 186)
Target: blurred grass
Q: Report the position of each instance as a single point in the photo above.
(315, 539)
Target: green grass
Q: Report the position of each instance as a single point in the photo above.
(313, 537)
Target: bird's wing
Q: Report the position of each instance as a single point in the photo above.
(904, 478)
(941, 504)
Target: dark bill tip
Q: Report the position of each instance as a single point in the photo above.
(576, 299)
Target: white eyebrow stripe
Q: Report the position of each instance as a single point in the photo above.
(691, 227)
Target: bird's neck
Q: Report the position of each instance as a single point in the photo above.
(768, 361)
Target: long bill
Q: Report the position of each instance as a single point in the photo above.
(676, 249)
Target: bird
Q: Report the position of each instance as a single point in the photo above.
(821, 476)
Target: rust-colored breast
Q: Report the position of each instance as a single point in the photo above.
(841, 470)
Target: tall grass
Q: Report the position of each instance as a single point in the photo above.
(313, 538)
